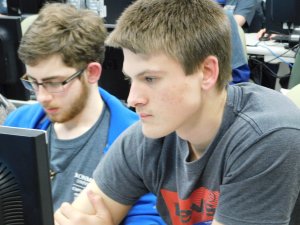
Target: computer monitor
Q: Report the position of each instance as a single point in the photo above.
(282, 16)
(25, 191)
(114, 9)
(11, 67)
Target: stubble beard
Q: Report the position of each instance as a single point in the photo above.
(75, 107)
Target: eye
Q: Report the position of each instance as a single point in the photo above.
(52, 84)
(150, 79)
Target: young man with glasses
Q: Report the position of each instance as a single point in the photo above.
(63, 51)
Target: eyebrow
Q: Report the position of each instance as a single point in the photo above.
(141, 73)
(44, 79)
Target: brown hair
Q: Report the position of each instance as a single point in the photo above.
(77, 35)
(186, 30)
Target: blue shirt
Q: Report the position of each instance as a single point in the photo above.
(33, 116)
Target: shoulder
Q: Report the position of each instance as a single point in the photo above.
(28, 109)
(116, 106)
(267, 108)
(121, 115)
(25, 115)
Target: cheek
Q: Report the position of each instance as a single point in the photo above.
(170, 97)
(175, 100)
(180, 95)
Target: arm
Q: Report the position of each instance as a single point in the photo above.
(125, 187)
(91, 207)
(241, 20)
(244, 11)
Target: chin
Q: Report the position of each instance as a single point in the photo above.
(56, 119)
(154, 133)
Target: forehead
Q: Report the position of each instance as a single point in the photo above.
(51, 66)
(135, 64)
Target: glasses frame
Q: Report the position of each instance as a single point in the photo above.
(29, 84)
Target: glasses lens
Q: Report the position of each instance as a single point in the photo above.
(53, 87)
(28, 85)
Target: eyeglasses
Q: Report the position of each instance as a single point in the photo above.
(51, 87)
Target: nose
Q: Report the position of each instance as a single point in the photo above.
(42, 95)
(136, 97)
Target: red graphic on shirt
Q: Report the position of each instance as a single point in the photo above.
(200, 206)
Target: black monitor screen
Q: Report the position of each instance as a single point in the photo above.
(114, 9)
(282, 16)
(30, 6)
(11, 67)
(25, 191)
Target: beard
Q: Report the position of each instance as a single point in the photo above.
(74, 108)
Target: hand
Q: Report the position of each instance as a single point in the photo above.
(261, 33)
(68, 215)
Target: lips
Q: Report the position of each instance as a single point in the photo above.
(51, 110)
(144, 115)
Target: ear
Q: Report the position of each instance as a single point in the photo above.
(210, 69)
(94, 70)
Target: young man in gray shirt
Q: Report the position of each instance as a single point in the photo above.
(212, 153)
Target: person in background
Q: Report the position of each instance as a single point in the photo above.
(63, 50)
(213, 153)
(247, 13)
(239, 62)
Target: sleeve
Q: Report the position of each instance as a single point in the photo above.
(16, 117)
(120, 168)
(240, 74)
(119, 176)
(246, 8)
(144, 212)
(28, 116)
(261, 183)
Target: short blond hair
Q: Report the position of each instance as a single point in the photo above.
(185, 30)
(76, 35)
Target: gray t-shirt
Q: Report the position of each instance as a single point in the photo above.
(74, 160)
(249, 174)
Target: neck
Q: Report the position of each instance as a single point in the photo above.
(205, 125)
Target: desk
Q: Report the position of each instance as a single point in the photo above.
(273, 52)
